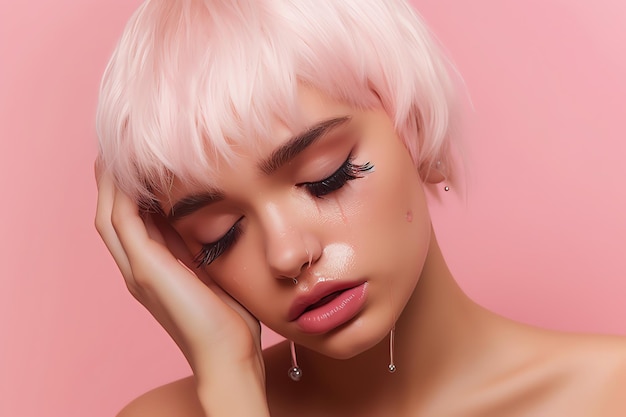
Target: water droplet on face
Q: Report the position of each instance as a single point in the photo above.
(409, 216)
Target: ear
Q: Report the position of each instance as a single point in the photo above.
(431, 174)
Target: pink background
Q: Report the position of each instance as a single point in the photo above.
(540, 236)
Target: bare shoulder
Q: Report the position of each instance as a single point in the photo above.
(180, 398)
(596, 369)
(599, 353)
(605, 357)
(176, 399)
(558, 373)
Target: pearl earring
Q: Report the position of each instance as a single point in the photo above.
(295, 373)
(392, 365)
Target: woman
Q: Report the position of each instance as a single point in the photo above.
(265, 161)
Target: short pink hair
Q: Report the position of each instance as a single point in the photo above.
(191, 78)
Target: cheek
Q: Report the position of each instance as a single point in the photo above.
(240, 274)
(395, 224)
(391, 199)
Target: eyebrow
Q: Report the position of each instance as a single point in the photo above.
(297, 144)
(279, 157)
(193, 203)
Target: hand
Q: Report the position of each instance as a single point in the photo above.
(215, 333)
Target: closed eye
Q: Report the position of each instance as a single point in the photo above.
(346, 172)
(211, 251)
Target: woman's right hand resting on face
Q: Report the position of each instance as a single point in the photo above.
(219, 338)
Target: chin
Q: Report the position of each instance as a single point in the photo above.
(354, 339)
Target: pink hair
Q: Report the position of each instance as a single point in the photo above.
(191, 78)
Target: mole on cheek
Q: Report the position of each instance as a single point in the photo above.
(409, 216)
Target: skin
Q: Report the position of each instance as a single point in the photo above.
(447, 347)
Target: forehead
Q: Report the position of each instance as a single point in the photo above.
(311, 108)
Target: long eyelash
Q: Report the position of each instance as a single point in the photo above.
(346, 172)
(211, 251)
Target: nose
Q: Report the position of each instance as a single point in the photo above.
(290, 243)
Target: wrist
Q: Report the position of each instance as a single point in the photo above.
(234, 391)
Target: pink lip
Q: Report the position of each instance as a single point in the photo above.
(346, 303)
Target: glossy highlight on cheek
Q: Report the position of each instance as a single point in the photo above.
(338, 258)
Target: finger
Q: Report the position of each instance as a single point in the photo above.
(104, 207)
(154, 267)
(130, 226)
(159, 228)
(178, 248)
(127, 222)
(173, 241)
(98, 168)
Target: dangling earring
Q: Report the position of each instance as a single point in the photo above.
(392, 365)
(295, 373)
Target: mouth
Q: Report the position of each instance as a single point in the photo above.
(328, 306)
(324, 300)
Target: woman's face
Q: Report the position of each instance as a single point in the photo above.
(339, 207)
